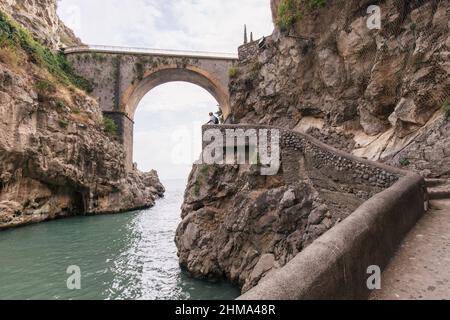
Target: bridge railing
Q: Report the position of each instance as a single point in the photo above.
(149, 51)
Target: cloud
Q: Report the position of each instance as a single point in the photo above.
(177, 96)
(206, 25)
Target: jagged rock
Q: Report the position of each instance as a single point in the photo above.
(317, 215)
(389, 84)
(250, 224)
(55, 157)
(288, 199)
(40, 17)
(373, 92)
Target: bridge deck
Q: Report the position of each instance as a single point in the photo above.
(421, 267)
(153, 52)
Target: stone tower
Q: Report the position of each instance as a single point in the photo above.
(245, 34)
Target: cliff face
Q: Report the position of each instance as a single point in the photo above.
(56, 159)
(379, 93)
(41, 19)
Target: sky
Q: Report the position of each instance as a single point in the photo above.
(167, 122)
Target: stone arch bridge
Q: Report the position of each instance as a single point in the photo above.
(122, 76)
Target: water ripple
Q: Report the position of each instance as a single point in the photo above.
(126, 256)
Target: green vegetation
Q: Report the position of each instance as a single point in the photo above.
(219, 115)
(110, 126)
(233, 72)
(45, 87)
(196, 189)
(404, 162)
(446, 108)
(291, 11)
(60, 104)
(15, 37)
(204, 170)
(64, 123)
(256, 67)
(98, 57)
(139, 68)
(76, 110)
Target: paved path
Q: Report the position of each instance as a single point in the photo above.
(421, 268)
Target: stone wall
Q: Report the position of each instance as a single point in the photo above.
(334, 163)
(244, 226)
(122, 79)
(248, 51)
(335, 266)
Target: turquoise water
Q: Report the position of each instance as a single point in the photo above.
(126, 256)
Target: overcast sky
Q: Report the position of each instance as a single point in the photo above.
(168, 118)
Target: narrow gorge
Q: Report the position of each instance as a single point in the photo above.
(357, 92)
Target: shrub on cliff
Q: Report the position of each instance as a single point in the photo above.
(110, 126)
(446, 108)
(233, 72)
(291, 11)
(14, 38)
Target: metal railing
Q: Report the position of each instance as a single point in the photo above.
(148, 51)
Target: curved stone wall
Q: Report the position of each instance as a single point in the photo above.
(335, 265)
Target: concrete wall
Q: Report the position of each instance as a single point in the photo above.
(335, 265)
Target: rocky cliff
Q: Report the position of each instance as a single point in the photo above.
(243, 226)
(41, 19)
(58, 155)
(381, 94)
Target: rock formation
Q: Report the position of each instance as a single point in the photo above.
(41, 19)
(241, 225)
(56, 159)
(380, 94)
(383, 89)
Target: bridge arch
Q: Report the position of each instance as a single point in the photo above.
(122, 77)
(171, 73)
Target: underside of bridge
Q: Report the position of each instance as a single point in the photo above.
(170, 73)
(122, 78)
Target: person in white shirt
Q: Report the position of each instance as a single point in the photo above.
(213, 119)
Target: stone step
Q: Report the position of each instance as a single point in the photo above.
(432, 182)
(439, 192)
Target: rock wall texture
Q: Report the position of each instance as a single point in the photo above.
(242, 226)
(40, 17)
(383, 89)
(56, 158)
(379, 94)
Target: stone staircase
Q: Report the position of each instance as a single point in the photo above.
(438, 188)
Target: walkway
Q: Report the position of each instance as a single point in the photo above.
(152, 52)
(421, 267)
